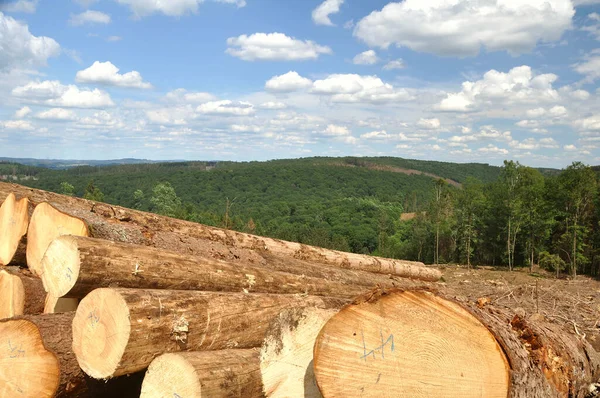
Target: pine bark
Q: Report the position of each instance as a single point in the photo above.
(20, 293)
(120, 331)
(542, 359)
(218, 374)
(131, 226)
(73, 266)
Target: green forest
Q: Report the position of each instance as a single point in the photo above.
(474, 214)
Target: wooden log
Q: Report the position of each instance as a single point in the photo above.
(73, 266)
(46, 224)
(215, 374)
(286, 358)
(57, 305)
(120, 331)
(418, 344)
(20, 293)
(132, 226)
(40, 362)
(14, 220)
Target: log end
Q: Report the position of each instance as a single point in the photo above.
(101, 332)
(12, 295)
(409, 343)
(57, 305)
(171, 375)
(14, 220)
(27, 369)
(47, 224)
(60, 265)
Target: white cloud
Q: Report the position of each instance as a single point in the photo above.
(238, 3)
(272, 105)
(21, 113)
(182, 95)
(242, 128)
(274, 47)
(85, 3)
(570, 148)
(548, 143)
(57, 114)
(53, 93)
(349, 24)
(462, 27)
(492, 149)
(590, 68)
(172, 8)
(288, 82)
(226, 108)
(107, 73)
(537, 112)
(20, 49)
(334, 130)
(368, 57)
(486, 133)
(581, 95)
(320, 15)
(114, 38)
(518, 86)
(26, 6)
(557, 111)
(594, 29)
(591, 123)
(357, 88)
(382, 134)
(170, 116)
(395, 64)
(89, 17)
(17, 125)
(429, 124)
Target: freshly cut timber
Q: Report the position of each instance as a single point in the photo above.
(286, 357)
(27, 368)
(14, 220)
(120, 331)
(132, 226)
(40, 362)
(57, 305)
(20, 293)
(48, 223)
(73, 266)
(215, 374)
(418, 344)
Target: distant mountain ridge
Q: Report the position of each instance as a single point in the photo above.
(68, 163)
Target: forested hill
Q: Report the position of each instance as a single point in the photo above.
(332, 202)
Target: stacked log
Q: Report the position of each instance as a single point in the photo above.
(14, 221)
(20, 293)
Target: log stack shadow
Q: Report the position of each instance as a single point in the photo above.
(109, 301)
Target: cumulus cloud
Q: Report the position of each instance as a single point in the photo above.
(242, 128)
(368, 57)
(381, 134)
(594, 28)
(17, 125)
(182, 95)
(518, 86)
(20, 49)
(395, 64)
(226, 108)
(356, 88)
(89, 17)
(53, 93)
(272, 105)
(26, 6)
(107, 73)
(21, 113)
(570, 148)
(320, 15)
(288, 82)
(493, 150)
(274, 47)
(429, 124)
(172, 8)
(461, 28)
(335, 130)
(59, 114)
(590, 67)
(486, 133)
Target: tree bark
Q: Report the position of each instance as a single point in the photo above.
(42, 363)
(120, 331)
(20, 293)
(131, 226)
(446, 347)
(73, 266)
(14, 220)
(218, 374)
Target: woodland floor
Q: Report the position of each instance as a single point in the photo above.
(575, 303)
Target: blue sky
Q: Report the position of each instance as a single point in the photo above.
(473, 80)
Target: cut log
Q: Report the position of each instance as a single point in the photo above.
(46, 224)
(418, 344)
(120, 331)
(125, 225)
(74, 266)
(215, 374)
(20, 294)
(286, 360)
(42, 364)
(14, 220)
(57, 305)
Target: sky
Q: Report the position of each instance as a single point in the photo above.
(448, 80)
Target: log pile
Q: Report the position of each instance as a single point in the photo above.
(136, 303)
